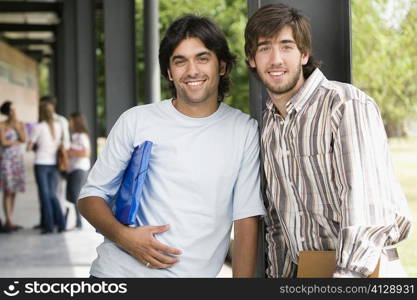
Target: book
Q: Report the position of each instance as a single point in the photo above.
(127, 199)
(322, 264)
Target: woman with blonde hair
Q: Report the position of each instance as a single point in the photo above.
(47, 136)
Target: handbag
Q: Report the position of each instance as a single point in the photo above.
(62, 158)
(130, 191)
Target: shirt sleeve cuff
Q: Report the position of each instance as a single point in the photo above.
(345, 273)
(93, 192)
(251, 213)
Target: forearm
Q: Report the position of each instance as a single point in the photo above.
(22, 136)
(78, 153)
(7, 143)
(20, 129)
(372, 207)
(245, 247)
(29, 146)
(97, 212)
(139, 242)
(359, 249)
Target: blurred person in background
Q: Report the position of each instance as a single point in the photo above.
(63, 122)
(79, 158)
(47, 136)
(12, 170)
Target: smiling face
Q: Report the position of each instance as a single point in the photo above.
(278, 63)
(195, 72)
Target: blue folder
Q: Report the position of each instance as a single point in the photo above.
(128, 196)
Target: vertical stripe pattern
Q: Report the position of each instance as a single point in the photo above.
(330, 182)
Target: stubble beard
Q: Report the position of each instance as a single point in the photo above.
(282, 89)
(193, 100)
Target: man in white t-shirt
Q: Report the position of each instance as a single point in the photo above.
(203, 172)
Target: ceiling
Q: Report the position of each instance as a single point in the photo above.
(30, 25)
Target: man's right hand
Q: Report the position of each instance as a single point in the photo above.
(140, 242)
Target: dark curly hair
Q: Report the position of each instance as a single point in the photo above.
(5, 108)
(192, 26)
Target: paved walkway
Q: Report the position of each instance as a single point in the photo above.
(27, 253)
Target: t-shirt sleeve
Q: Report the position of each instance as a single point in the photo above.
(247, 201)
(106, 175)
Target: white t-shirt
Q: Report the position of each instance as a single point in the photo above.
(203, 174)
(79, 142)
(46, 145)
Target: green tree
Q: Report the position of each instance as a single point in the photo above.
(384, 58)
(101, 81)
(43, 73)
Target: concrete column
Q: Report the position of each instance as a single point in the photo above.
(59, 66)
(85, 101)
(151, 44)
(120, 62)
(67, 101)
(52, 74)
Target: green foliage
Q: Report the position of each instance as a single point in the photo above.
(385, 57)
(405, 164)
(43, 72)
(101, 104)
(384, 51)
(230, 15)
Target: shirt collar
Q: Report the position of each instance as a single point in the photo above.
(269, 105)
(298, 101)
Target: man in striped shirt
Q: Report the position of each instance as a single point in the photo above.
(329, 180)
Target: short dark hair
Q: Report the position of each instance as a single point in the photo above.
(48, 98)
(268, 20)
(5, 107)
(192, 26)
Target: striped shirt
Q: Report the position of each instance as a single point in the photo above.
(330, 182)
